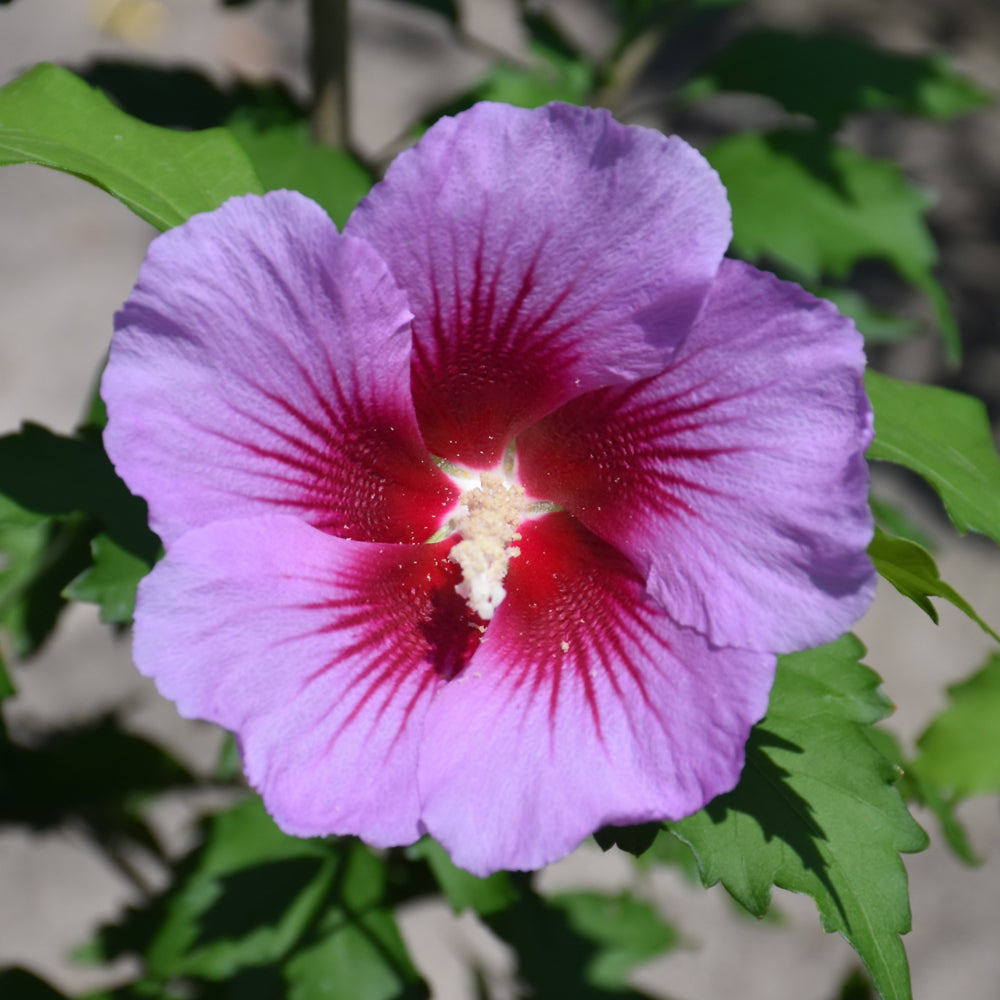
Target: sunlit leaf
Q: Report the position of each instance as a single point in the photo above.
(960, 749)
(818, 209)
(829, 77)
(52, 118)
(945, 437)
(812, 783)
(912, 571)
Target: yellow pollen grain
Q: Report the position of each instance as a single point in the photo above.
(488, 526)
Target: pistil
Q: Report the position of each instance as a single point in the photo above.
(488, 523)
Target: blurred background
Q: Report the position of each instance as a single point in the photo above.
(71, 253)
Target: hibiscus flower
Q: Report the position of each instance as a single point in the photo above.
(488, 517)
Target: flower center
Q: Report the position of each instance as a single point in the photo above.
(488, 521)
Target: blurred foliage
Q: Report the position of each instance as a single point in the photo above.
(251, 913)
(960, 749)
(828, 78)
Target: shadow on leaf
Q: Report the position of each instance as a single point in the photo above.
(766, 797)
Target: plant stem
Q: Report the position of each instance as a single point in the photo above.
(329, 51)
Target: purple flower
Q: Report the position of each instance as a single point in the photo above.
(488, 517)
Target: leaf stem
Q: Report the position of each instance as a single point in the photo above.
(329, 63)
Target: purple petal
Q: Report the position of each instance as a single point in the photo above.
(321, 654)
(544, 253)
(262, 364)
(584, 705)
(736, 480)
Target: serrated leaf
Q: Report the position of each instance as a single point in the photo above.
(911, 569)
(52, 118)
(111, 582)
(829, 77)
(816, 811)
(626, 930)
(463, 890)
(285, 157)
(960, 749)
(945, 437)
(915, 787)
(818, 209)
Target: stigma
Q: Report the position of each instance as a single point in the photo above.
(488, 519)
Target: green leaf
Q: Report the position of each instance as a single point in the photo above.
(51, 475)
(7, 688)
(565, 949)
(889, 517)
(626, 931)
(829, 77)
(96, 777)
(915, 787)
(284, 156)
(960, 749)
(463, 890)
(945, 437)
(913, 572)
(816, 812)
(111, 582)
(250, 896)
(634, 840)
(20, 984)
(356, 951)
(818, 209)
(877, 327)
(38, 558)
(263, 914)
(52, 118)
(446, 8)
(554, 77)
